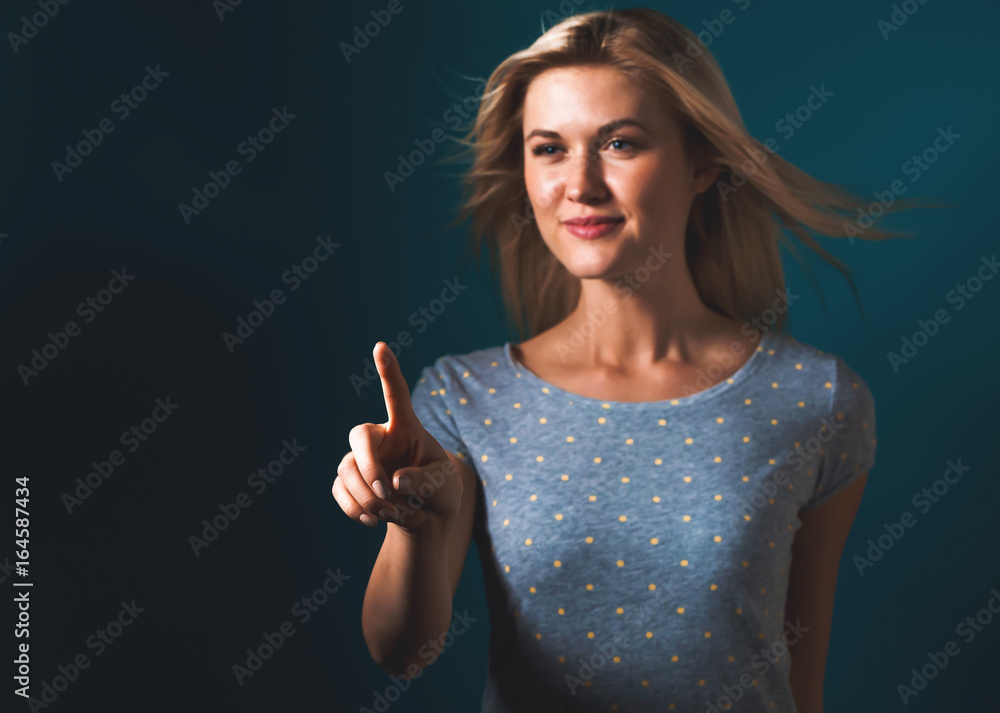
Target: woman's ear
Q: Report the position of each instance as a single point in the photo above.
(703, 177)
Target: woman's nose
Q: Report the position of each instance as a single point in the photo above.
(583, 179)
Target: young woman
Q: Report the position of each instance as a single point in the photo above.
(659, 481)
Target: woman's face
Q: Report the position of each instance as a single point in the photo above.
(598, 144)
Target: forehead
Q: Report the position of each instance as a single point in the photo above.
(587, 97)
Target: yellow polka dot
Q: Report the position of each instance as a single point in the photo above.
(686, 518)
(718, 497)
(533, 497)
(774, 422)
(484, 458)
(621, 518)
(562, 659)
(590, 587)
(531, 589)
(625, 479)
(745, 563)
(597, 459)
(774, 384)
(629, 441)
(462, 401)
(493, 391)
(663, 422)
(539, 458)
(684, 563)
(747, 402)
(654, 541)
(828, 385)
(746, 439)
(543, 420)
(645, 683)
(649, 634)
(506, 568)
(747, 518)
(771, 461)
(621, 563)
(564, 476)
(708, 634)
(652, 587)
(557, 563)
(561, 611)
(674, 659)
(494, 503)
(770, 351)
(701, 682)
(680, 610)
(434, 393)
(799, 367)
(545, 389)
(687, 478)
(513, 440)
(488, 421)
(718, 459)
(714, 587)
(589, 540)
(602, 419)
(746, 479)
(689, 441)
(720, 419)
(538, 636)
(619, 610)
(590, 635)
(558, 516)
(506, 522)
(569, 439)
(801, 404)
(508, 476)
(656, 498)
(674, 402)
(658, 461)
(592, 498)
(527, 541)
(617, 659)
(717, 538)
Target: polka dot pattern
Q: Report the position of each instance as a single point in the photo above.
(673, 518)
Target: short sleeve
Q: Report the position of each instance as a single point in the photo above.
(430, 400)
(850, 452)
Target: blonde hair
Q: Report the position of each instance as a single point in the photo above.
(733, 230)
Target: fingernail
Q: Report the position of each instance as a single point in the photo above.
(368, 520)
(386, 514)
(404, 482)
(379, 487)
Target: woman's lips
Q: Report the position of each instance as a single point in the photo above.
(594, 230)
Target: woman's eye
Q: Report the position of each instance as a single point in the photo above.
(621, 141)
(543, 150)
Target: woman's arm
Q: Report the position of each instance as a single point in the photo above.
(812, 582)
(410, 592)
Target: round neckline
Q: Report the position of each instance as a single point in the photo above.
(740, 375)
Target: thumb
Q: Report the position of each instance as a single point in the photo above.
(394, 389)
(423, 480)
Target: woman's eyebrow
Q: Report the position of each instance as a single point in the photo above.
(608, 128)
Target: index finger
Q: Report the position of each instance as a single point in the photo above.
(394, 388)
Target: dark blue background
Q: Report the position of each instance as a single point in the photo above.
(324, 175)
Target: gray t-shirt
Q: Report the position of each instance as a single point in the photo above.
(636, 554)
